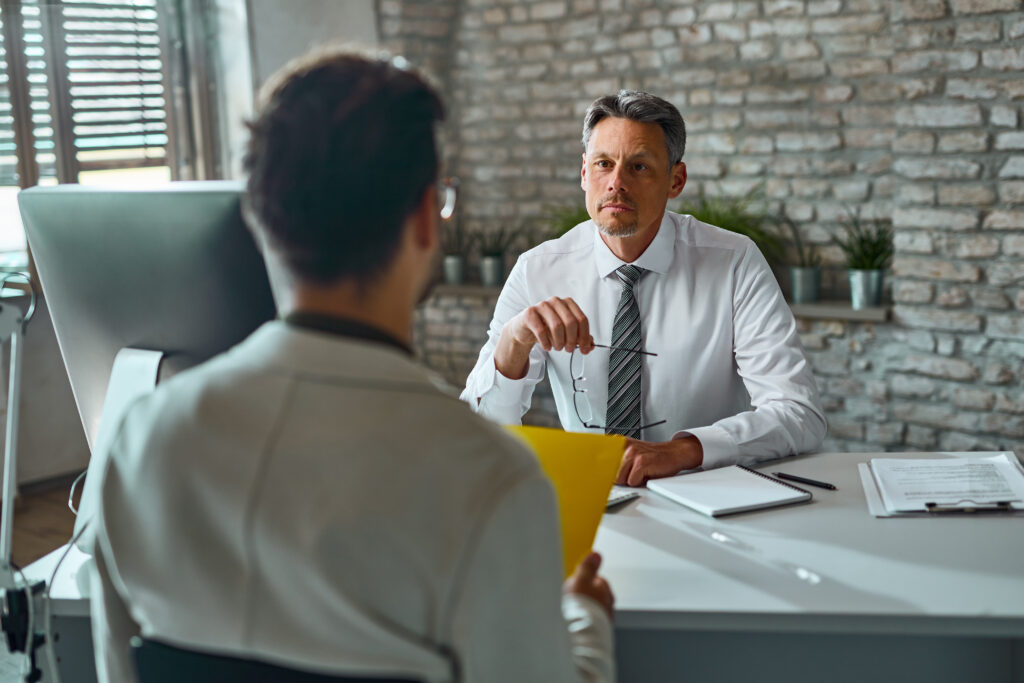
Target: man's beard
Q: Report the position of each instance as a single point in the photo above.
(616, 229)
(627, 230)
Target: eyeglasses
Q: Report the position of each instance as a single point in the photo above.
(447, 196)
(579, 393)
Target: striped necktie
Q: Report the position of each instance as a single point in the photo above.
(623, 366)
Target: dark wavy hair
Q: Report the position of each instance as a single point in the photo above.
(341, 152)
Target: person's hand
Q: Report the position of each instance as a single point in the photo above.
(585, 581)
(556, 324)
(645, 460)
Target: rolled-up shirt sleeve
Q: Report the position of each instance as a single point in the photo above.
(786, 416)
(489, 392)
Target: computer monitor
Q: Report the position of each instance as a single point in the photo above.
(172, 269)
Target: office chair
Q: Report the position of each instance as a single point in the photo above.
(158, 662)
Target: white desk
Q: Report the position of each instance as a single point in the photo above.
(817, 592)
(809, 593)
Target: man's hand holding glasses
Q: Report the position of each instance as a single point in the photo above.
(556, 324)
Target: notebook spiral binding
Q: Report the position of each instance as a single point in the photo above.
(774, 480)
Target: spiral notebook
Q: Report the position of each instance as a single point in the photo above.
(728, 490)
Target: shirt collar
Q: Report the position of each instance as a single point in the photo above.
(345, 327)
(657, 256)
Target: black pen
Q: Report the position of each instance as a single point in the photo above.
(803, 480)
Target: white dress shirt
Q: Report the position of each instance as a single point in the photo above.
(321, 503)
(730, 369)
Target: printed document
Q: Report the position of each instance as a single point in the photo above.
(908, 485)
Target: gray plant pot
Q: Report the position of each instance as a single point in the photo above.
(454, 269)
(492, 271)
(865, 288)
(804, 284)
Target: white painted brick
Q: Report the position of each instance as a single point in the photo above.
(523, 33)
(783, 8)
(766, 94)
(983, 6)
(832, 94)
(913, 242)
(1004, 220)
(856, 68)
(910, 292)
(705, 168)
(869, 138)
(991, 298)
(939, 116)
(734, 32)
(681, 16)
(1003, 116)
(757, 50)
(800, 49)
(871, 23)
(1002, 274)
(803, 142)
(717, 11)
(966, 195)
(904, 10)
(915, 142)
(937, 366)
(1013, 168)
(967, 141)
(977, 32)
(935, 219)
(973, 399)
(851, 190)
(953, 297)
(958, 60)
(1011, 191)
(972, 88)
(819, 8)
(543, 11)
(1015, 30)
(756, 144)
(1013, 245)
(942, 168)
(651, 18)
(1013, 140)
(934, 269)
(974, 246)
(713, 143)
(779, 27)
(916, 193)
(1004, 59)
(1005, 327)
(997, 373)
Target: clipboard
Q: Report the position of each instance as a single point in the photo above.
(876, 508)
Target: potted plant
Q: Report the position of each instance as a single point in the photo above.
(493, 245)
(737, 215)
(868, 247)
(805, 275)
(456, 244)
(562, 219)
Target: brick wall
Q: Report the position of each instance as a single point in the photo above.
(904, 109)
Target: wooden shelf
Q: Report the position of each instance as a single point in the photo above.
(840, 310)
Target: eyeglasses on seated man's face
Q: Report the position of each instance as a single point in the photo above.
(580, 400)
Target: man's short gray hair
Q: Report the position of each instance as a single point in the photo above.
(641, 107)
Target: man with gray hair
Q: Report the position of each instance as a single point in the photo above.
(697, 358)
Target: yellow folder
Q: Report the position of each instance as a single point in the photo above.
(582, 468)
